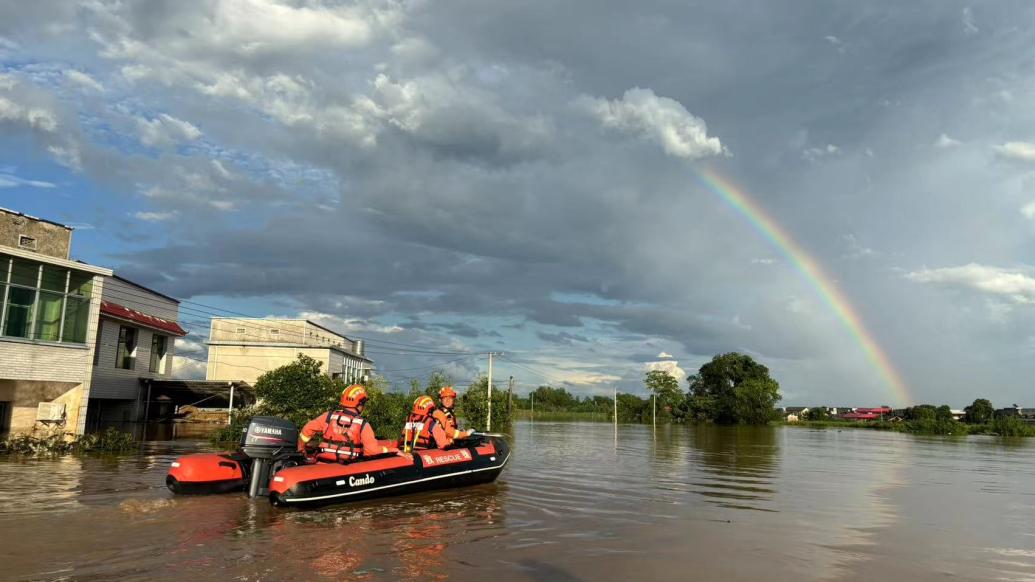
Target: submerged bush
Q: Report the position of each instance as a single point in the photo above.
(111, 440)
(1011, 426)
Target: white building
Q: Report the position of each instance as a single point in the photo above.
(242, 349)
(135, 343)
(49, 308)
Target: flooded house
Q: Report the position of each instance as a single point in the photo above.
(50, 306)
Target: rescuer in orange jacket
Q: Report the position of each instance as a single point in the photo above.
(444, 414)
(422, 431)
(345, 435)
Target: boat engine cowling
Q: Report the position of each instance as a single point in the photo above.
(273, 444)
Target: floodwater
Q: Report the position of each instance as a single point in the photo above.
(686, 503)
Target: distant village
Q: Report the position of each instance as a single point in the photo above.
(885, 413)
(83, 349)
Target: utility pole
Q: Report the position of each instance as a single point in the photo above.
(616, 416)
(510, 395)
(488, 419)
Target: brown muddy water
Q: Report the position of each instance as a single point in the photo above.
(691, 503)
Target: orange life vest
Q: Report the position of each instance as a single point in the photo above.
(417, 432)
(448, 421)
(342, 441)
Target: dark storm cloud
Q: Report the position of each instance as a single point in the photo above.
(376, 160)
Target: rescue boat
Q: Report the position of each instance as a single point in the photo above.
(268, 464)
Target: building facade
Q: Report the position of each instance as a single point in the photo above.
(135, 342)
(242, 349)
(49, 309)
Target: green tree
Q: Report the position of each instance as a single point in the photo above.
(756, 400)
(298, 391)
(980, 412)
(818, 413)
(665, 387)
(473, 406)
(733, 388)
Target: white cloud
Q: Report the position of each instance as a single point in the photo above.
(763, 261)
(84, 80)
(665, 121)
(664, 355)
(188, 368)
(9, 180)
(154, 216)
(1009, 283)
(166, 130)
(944, 141)
(814, 154)
(1017, 150)
(34, 117)
(670, 366)
(1028, 210)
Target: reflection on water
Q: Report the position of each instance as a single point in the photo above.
(731, 503)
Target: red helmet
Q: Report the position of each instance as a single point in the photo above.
(353, 396)
(447, 392)
(423, 405)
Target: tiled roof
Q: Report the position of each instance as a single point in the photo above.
(121, 312)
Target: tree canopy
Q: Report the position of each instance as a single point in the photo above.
(979, 412)
(733, 388)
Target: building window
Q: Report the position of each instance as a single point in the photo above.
(43, 302)
(126, 357)
(158, 348)
(26, 242)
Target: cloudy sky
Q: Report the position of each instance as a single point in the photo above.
(521, 177)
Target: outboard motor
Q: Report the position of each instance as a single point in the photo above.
(271, 443)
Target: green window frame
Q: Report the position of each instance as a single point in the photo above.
(43, 302)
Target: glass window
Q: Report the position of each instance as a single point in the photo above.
(36, 305)
(54, 279)
(158, 344)
(77, 317)
(126, 357)
(25, 273)
(48, 316)
(80, 284)
(18, 316)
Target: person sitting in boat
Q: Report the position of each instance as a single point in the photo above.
(444, 414)
(345, 435)
(422, 430)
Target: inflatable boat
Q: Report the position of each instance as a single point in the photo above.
(268, 464)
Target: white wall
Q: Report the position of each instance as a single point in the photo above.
(133, 297)
(110, 381)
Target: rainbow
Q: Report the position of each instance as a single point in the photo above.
(812, 271)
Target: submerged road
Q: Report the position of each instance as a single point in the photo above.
(686, 503)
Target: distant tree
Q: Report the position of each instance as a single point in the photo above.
(665, 387)
(818, 413)
(473, 406)
(980, 412)
(733, 388)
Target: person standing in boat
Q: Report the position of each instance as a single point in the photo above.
(444, 414)
(422, 430)
(345, 434)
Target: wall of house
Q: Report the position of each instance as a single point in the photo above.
(33, 372)
(110, 381)
(51, 240)
(247, 363)
(142, 300)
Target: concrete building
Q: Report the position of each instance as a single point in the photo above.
(135, 343)
(242, 349)
(49, 309)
